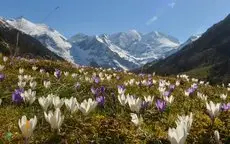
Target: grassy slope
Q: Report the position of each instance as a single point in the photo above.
(111, 124)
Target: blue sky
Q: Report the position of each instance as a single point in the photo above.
(179, 18)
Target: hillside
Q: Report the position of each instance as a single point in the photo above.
(27, 45)
(207, 57)
(109, 118)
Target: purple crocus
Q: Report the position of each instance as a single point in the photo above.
(225, 107)
(93, 90)
(102, 89)
(144, 105)
(161, 105)
(16, 96)
(2, 77)
(57, 73)
(121, 89)
(167, 93)
(101, 100)
(97, 80)
(172, 87)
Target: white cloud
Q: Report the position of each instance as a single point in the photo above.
(150, 21)
(172, 4)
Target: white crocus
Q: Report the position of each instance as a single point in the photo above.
(202, 96)
(223, 96)
(149, 99)
(213, 109)
(122, 99)
(29, 96)
(20, 77)
(2, 67)
(178, 135)
(87, 106)
(34, 68)
(169, 99)
(21, 84)
(5, 59)
(57, 102)
(186, 120)
(66, 73)
(217, 136)
(44, 102)
(55, 119)
(28, 78)
(27, 126)
(136, 120)
(134, 103)
(21, 70)
(71, 104)
(47, 84)
(33, 84)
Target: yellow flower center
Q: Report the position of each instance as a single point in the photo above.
(27, 124)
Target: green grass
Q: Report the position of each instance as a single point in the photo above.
(111, 124)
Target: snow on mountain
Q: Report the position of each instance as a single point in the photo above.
(51, 38)
(190, 40)
(126, 50)
(123, 50)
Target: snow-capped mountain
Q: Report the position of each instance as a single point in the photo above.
(50, 38)
(126, 50)
(189, 41)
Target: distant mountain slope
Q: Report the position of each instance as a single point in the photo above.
(50, 38)
(28, 46)
(126, 50)
(207, 57)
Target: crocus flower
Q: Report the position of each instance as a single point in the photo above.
(121, 89)
(34, 68)
(29, 96)
(5, 58)
(47, 84)
(134, 103)
(57, 73)
(217, 136)
(57, 102)
(55, 119)
(167, 93)
(161, 105)
(44, 102)
(1, 67)
(122, 99)
(178, 135)
(213, 109)
(21, 70)
(33, 84)
(186, 120)
(225, 107)
(149, 99)
(169, 99)
(136, 120)
(101, 100)
(16, 96)
(71, 104)
(87, 106)
(97, 80)
(21, 84)
(2, 77)
(66, 73)
(27, 126)
(223, 96)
